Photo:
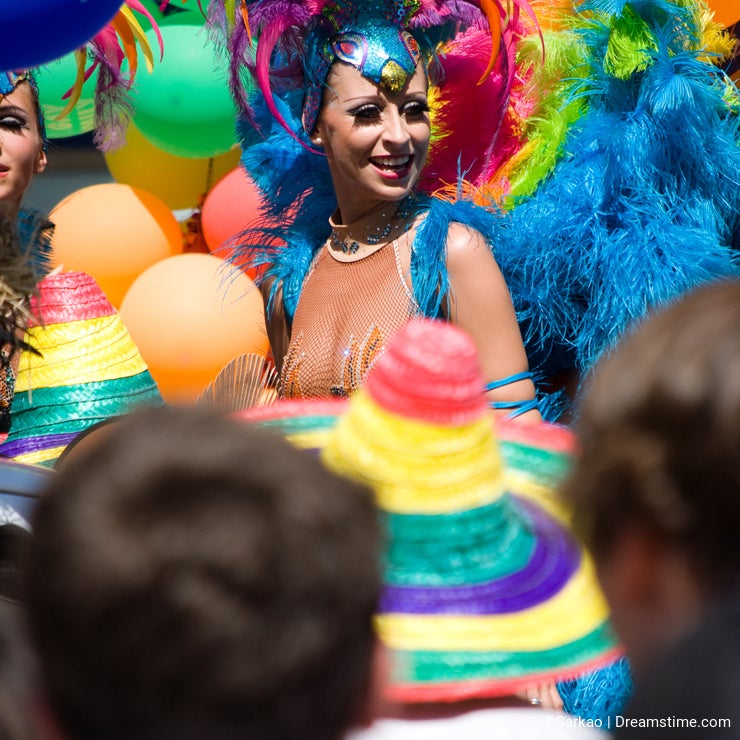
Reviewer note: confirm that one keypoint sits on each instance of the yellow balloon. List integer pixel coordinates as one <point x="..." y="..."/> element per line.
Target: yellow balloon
<point x="189" y="315"/>
<point x="113" y="232"/>
<point x="180" y="182"/>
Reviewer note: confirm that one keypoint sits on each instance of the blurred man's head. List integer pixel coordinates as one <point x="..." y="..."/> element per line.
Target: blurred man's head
<point x="656" y="488"/>
<point x="194" y="577"/>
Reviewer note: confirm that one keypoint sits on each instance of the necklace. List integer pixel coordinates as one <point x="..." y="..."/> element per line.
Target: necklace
<point x="373" y="229"/>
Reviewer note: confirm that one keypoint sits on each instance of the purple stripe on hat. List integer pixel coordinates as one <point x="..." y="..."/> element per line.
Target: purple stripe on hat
<point x="555" y="558"/>
<point x="18" y="447"/>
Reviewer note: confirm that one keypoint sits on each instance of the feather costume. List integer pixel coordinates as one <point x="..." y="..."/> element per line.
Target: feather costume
<point x="603" y="139"/>
<point x="607" y="132"/>
<point x="642" y="202"/>
<point x="279" y="53"/>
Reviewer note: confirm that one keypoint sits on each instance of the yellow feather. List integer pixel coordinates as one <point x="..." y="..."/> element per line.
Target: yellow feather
<point x="74" y="96"/>
<point x="140" y="35"/>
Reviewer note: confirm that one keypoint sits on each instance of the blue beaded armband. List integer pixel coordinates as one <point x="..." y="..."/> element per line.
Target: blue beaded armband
<point x="517" y="407"/>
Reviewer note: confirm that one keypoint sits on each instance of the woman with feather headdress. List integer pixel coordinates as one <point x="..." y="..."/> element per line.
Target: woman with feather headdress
<point x="337" y="138"/>
<point x="603" y="137"/>
<point x="26" y="233"/>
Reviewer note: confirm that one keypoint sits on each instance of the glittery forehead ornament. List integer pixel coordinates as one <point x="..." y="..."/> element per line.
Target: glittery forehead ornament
<point x="10" y="80"/>
<point x="371" y="37"/>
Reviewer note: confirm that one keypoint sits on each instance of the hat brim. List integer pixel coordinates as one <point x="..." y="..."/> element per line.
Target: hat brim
<point x="541" y="618"/>
<point x="46" y="420"/>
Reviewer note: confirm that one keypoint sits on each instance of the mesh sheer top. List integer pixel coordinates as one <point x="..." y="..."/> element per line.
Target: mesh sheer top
<point x="345" y="317"/>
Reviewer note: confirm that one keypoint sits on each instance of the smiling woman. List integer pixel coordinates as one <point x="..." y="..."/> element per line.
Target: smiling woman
<point x="375" y="140"/>
<point x="338" y="289"/>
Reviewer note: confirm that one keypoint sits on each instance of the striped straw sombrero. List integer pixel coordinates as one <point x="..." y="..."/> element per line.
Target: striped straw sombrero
<point x="88" y="370"/>
<point x="486" y="590"/>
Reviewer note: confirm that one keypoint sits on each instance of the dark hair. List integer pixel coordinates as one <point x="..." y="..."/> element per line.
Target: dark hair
<point x="660" y="434"/>
<point x="17" y="674"/>
<point x="194" y="577"/>
<point x="17" y="285"/>
<point x="13" y="539"/>
<point x="40" y="120"/>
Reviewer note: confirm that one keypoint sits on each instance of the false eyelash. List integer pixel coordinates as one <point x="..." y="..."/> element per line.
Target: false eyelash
<point x="13" y="123"/>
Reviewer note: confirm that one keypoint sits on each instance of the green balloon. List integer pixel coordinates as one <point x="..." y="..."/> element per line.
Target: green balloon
<point x="185" y="4"/>
<point x="54" y="80"/>
<point x="178" y="11"/>
<point x="184" y="106"/>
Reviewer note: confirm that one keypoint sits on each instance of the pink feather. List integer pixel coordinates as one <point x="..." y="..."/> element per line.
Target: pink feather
<point x="465" y="128"/>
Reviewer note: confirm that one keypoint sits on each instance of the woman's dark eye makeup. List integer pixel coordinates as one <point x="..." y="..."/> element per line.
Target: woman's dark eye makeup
<point x="12" y="119"/>
<point x="365" y="112"/>
<point x="416" y="108"/>
<point x="370" y="112"/>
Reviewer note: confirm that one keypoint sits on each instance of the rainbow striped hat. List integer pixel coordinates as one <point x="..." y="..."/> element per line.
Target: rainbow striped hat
<point x="486" y="589"/>
<point x="88" y="370"/>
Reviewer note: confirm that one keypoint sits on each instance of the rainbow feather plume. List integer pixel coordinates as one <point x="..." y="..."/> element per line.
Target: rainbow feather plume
<point x="113" y="54"/>
<point x="644" y="202"/>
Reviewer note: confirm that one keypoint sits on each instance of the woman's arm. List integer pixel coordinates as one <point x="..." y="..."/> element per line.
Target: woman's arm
<point x="480" y="303"/>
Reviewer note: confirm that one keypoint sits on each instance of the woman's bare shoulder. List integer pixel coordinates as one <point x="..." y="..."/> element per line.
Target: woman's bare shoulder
<point x="467" y="247"/>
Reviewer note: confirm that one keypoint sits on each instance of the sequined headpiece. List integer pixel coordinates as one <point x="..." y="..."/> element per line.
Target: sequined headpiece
<point x="9" y="81"/>
<point x="284" y="45"/>
<point x="371" y="37"/>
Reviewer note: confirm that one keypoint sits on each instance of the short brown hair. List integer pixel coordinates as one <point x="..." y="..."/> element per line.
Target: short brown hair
<point x="660" y="433"/>
<point x="195" y="577"/>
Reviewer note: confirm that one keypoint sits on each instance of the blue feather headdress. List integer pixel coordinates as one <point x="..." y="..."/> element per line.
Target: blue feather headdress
<point x="281" y="45"/>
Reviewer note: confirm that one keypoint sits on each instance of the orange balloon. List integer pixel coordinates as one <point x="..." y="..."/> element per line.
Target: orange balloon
<point x="726" y="12"/>
<point x="113" y="232"/>
<point x="179" y="181"/>
<point x="190" y="315"/>
<point x="231" y="206"/>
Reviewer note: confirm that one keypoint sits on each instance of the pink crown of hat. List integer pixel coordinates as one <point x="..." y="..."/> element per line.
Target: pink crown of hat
<point x="431" y="375"/>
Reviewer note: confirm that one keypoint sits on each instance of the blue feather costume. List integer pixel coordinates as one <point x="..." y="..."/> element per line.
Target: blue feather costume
<point x="642" y="206"/>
